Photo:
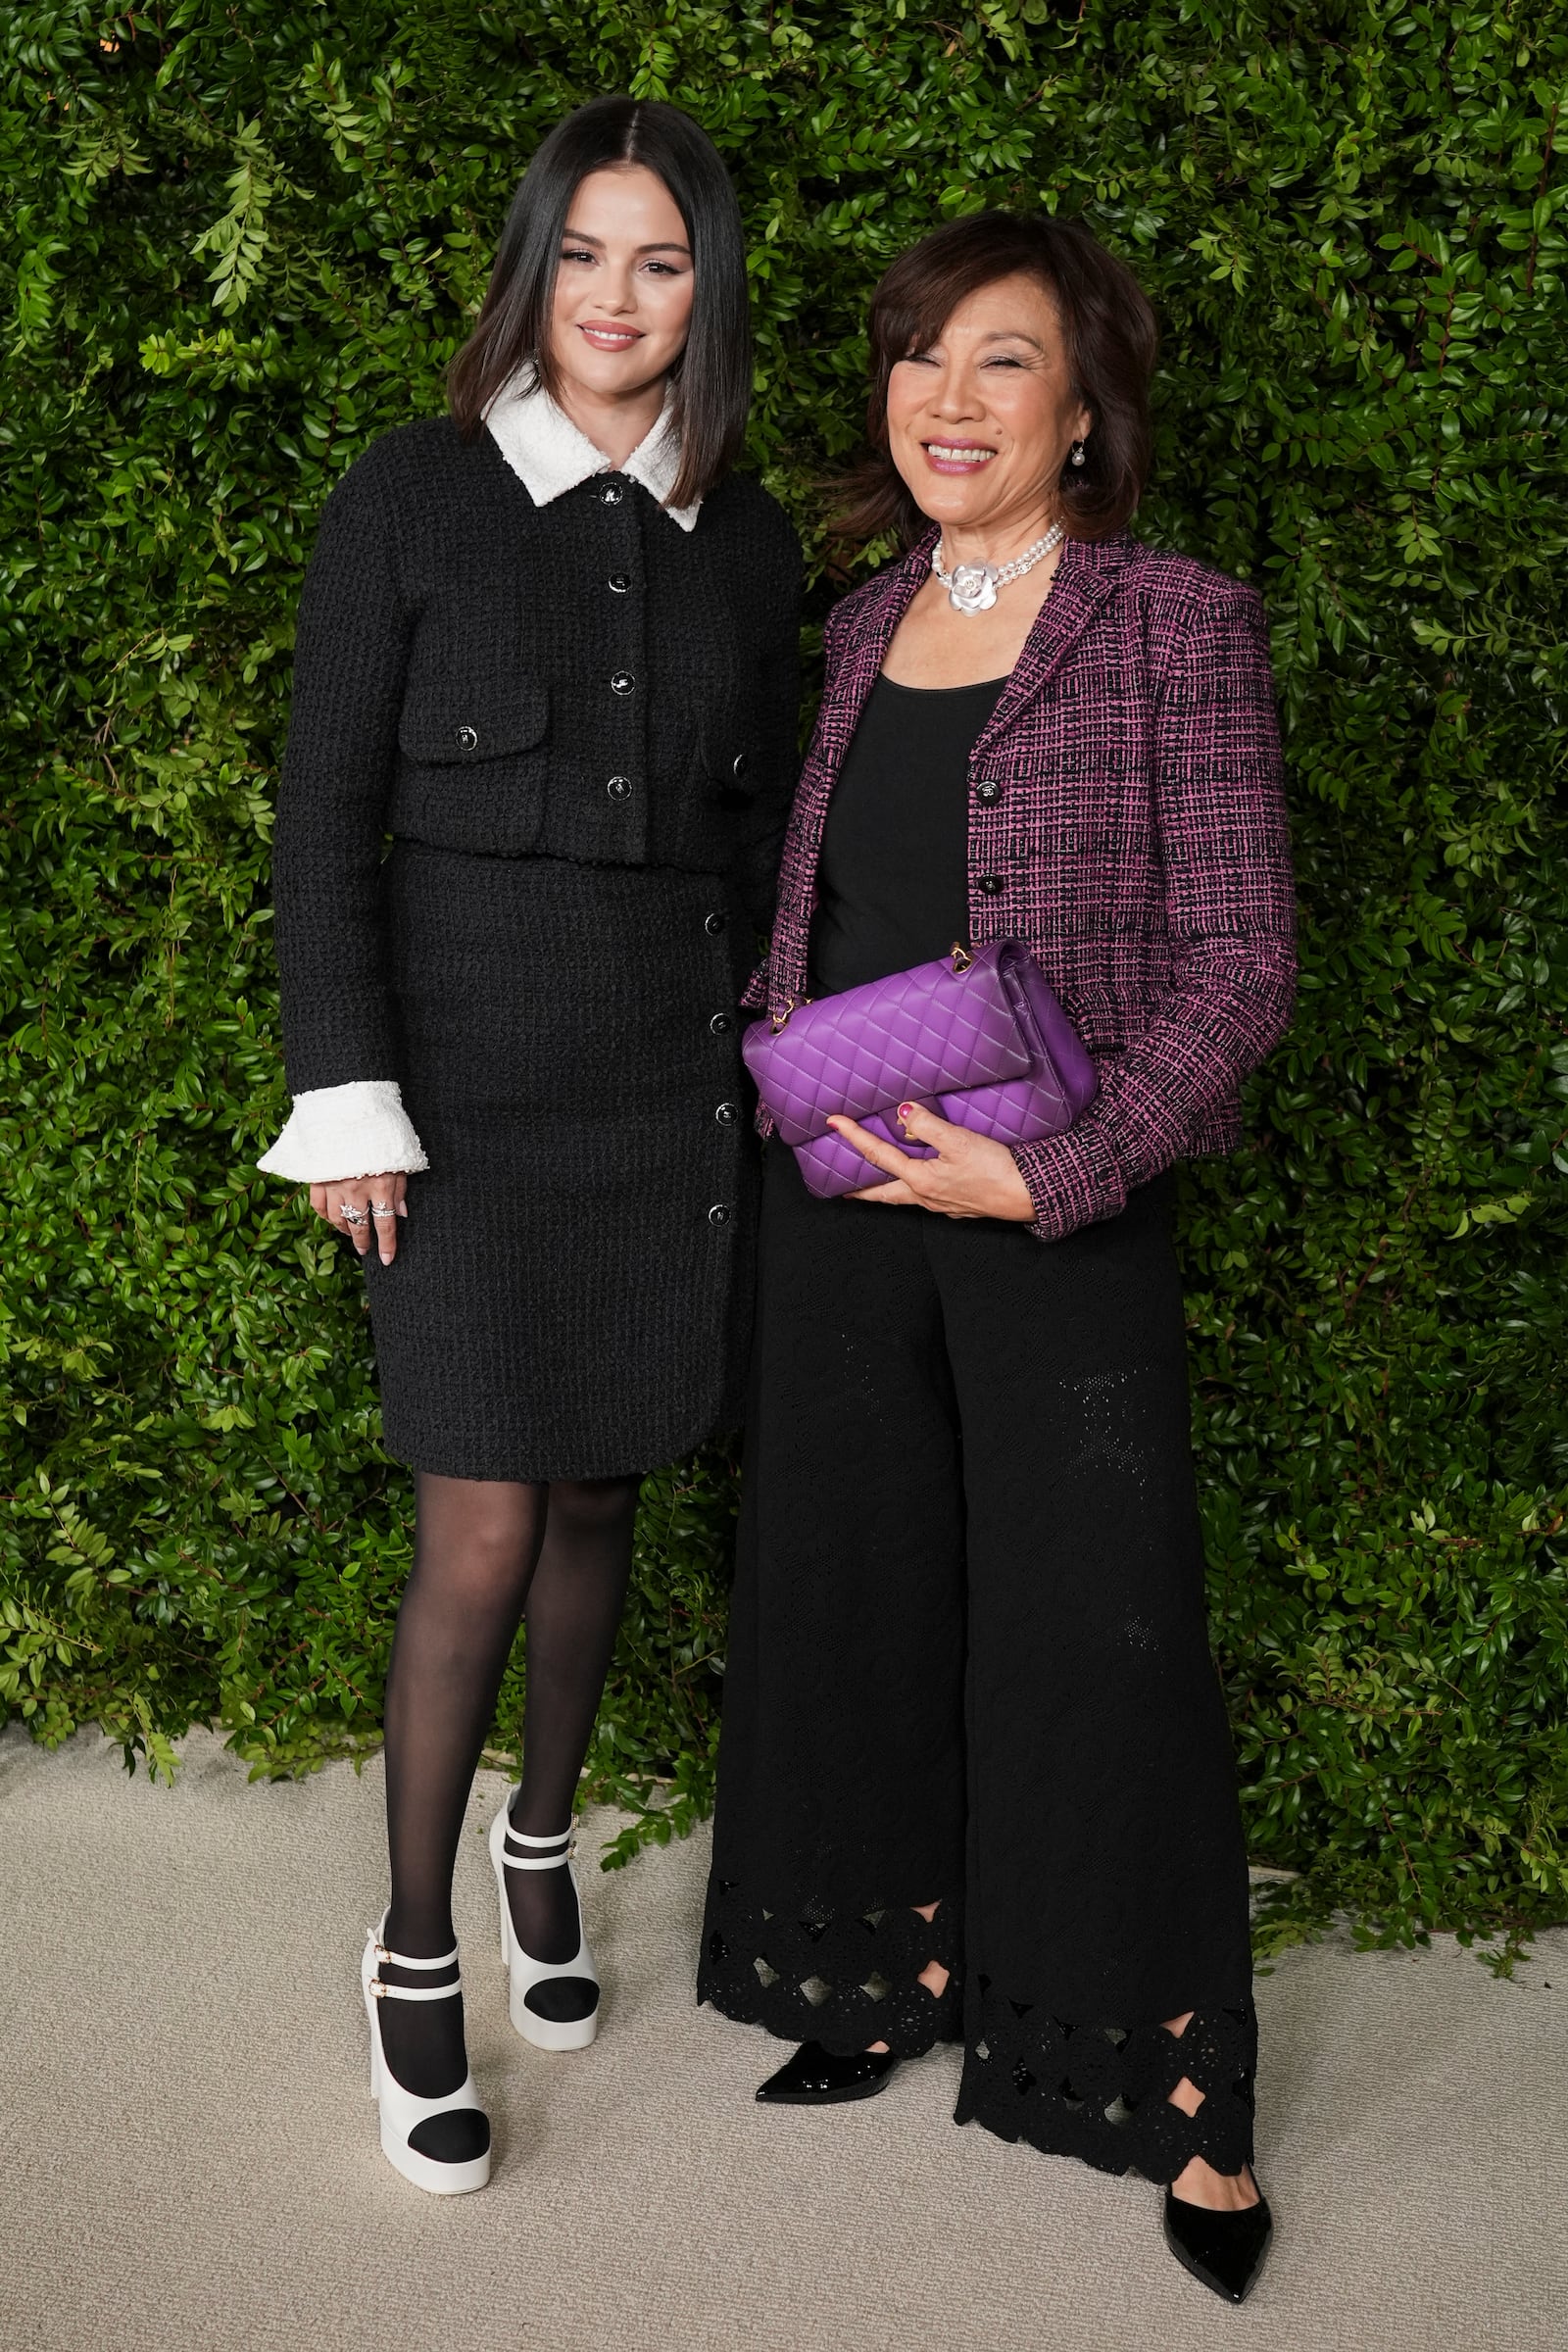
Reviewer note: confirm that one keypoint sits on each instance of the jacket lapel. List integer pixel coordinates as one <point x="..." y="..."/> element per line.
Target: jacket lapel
<point x="862" y="657"/>
<point x="1087" y="577"/>
<point x="852" y="671"/>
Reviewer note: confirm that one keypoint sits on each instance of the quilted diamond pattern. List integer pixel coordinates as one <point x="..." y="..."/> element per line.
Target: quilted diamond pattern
<point x="920" y="1031"/>
<point x="989" y="1048"/>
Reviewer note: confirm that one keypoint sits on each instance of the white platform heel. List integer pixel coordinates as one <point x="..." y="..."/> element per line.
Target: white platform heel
<point x="546" y="2008"/>
<point x="402" y="2113"/>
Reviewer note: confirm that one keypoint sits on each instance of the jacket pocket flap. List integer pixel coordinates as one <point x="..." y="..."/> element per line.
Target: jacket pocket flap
<point x="448" y="722"/>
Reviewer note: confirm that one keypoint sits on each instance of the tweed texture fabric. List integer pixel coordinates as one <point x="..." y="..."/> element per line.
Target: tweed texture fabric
<point x="1127" y="823"/>
<point x="577" y="724"/>
<point x="582" y="680"/>
<point x="969" y="1665"/>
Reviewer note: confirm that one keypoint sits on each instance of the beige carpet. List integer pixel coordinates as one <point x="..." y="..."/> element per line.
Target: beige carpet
<point x="190" y="2156"/>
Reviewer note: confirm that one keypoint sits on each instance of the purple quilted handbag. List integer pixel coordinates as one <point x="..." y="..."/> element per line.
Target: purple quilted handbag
<point x="978" y="1038"/>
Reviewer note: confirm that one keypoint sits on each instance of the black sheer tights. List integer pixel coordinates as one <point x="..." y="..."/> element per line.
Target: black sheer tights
<point x="488" y="1555"/>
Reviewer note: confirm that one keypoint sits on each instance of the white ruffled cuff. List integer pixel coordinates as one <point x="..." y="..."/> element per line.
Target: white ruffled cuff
<point x="337" y="1133"/>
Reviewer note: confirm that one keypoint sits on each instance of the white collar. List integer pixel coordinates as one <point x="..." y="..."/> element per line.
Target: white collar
<point x="550" y="456"/>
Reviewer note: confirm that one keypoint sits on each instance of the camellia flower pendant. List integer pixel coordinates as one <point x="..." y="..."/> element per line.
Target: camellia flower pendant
<point x="972" y="587"/>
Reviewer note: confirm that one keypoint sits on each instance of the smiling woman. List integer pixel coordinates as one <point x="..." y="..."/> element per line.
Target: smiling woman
<point x="548" y="643"/>
<point x="1006" y="406"/>
<point x="624" y="278"/>
<point x="590" y="233"/>
<point x="1050" y="298"/>
<point x="982" y="418"/>
<point x="976" y="1781"/>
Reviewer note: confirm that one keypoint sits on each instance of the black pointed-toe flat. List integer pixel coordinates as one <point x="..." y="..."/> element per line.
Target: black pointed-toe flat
<point x="1225" y="2251"/>
<point x="816" y="2077"/>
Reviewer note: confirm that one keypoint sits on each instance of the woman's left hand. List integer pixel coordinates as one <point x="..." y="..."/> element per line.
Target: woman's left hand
<point x="971" y="1175"/>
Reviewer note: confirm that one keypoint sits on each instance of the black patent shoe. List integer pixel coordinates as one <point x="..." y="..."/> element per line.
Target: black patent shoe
<point x="1223" y="2250"/>
<point x="816" y="2077"/>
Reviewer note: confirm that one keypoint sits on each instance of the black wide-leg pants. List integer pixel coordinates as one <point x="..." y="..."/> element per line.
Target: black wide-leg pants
<point x="968" y="1666"/>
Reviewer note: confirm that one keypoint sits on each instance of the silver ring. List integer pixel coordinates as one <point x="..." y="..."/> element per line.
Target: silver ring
<point x="382" y="1208"/>
<point x="351" y="1216"/>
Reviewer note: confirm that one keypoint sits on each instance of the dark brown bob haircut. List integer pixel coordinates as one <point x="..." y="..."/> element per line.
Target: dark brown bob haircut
<point x="1112" y="340"/>
<point x="713" y="378"/>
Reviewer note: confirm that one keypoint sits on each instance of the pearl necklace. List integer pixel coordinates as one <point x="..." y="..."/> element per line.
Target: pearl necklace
<point x="972" y="587"/>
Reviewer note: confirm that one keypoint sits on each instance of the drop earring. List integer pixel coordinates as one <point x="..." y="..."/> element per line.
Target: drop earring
<point x="1077" y="453"/>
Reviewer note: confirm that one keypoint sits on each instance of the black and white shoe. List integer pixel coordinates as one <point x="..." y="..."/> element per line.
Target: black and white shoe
<point x="555" y="2006"/>
<point x="441" y="2146"/>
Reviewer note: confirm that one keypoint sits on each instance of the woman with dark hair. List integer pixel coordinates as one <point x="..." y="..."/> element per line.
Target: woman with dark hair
<point x="976" y="1782"/>
<point x="548" y="645"/>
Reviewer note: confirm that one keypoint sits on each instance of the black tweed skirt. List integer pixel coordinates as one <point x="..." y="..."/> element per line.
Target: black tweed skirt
<point x="569" y="1290"/>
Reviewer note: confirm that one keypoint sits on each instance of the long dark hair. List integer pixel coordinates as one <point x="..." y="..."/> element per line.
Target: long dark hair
<point x="713" y="378"/>
<point x="1112" y="339"/>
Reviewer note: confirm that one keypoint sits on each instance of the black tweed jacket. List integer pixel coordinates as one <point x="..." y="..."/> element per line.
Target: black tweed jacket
<point x="582" y="680"/>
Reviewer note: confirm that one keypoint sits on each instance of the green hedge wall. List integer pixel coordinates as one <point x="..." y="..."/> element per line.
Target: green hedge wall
<point x="241" y="239"/>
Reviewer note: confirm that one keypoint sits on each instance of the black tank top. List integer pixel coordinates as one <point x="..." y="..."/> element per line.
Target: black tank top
<point x="893" y="872"/>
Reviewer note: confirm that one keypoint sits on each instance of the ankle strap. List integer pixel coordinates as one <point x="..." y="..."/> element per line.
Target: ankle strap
<point x="381" y="1990"/>
<point x="561" y="1839"/>
<point x="402" y="1959"/>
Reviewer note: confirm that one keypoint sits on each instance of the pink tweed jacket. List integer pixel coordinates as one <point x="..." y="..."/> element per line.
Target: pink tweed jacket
<point x="1127" y="820"/>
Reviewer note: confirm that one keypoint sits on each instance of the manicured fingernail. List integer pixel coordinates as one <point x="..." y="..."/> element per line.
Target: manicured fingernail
<point x="905" y="1110"/>
<point x="403" y="1208"/>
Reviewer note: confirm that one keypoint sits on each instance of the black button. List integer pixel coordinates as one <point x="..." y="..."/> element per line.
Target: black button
<point x="620" y="788"/>
<point x="738" y="766"/>
<point x="619" y="583"/>
<point x="727" y="1113"/>
<point x="467" y="738"/>
<point x="991" y="884"/>
<point x="713" y="924"/>
<point x="622" y="682"/>
<point x="612" y="494"/>
<point x="988" y="792"/>
<point x="718" y="1214"/>
<point x="722" y="1024"/>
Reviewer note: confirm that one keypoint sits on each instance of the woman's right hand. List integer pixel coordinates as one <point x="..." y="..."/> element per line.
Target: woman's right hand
<point x="365" y="1205"/>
